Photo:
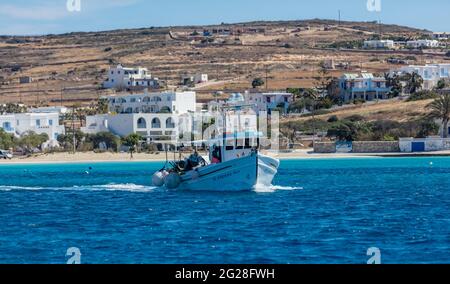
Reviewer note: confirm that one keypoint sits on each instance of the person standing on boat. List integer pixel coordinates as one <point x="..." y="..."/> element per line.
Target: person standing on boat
<point x="216" y="155"/>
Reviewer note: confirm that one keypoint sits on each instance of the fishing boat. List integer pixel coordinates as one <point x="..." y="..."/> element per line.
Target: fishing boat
<point x="233" y="163"/>
<point x="230" y="167"/>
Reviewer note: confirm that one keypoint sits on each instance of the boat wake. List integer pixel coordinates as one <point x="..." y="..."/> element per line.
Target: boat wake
<point x="128" y="187"/>
<point x="273" y="188"/>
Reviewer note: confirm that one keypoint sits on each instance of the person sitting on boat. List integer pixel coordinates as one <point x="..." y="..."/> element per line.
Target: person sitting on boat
<point x="194" y="161"/>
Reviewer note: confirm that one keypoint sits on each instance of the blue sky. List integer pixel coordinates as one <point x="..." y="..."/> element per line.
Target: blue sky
<point x="36" y="17"/>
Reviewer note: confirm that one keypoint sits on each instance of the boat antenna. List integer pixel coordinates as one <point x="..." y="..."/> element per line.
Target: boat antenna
<point x="167" y="158"/>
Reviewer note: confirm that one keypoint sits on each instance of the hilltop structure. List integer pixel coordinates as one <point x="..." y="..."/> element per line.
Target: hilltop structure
<point x="130" y="78"/>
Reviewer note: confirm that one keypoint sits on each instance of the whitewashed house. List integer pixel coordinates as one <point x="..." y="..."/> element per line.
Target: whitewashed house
<point x="20" y="123"/>
<point x="422" y="43"/>
<point x="364" y="86"/>
<point x="165" y="102"/>
<point x="194" y="79"/>
<point x="260" y="101"/>
<point x="269" y="101"/>
<point x="379" y="44"/>
<point x="130" y="78"/>
<point x="52" y="109"/>
<point x="441" y="35"/>
<point x="430" y="73"/>
<point x="154" y="116"/>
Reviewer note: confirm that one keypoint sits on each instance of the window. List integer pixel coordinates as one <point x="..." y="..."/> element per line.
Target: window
<point x="247" y="122"/>
<point x="17" y="123"/>
<point x="50" y="122"/>
<point x="133" y="100"/>
<point x="239" y="144"/>
<point x="156" y="123"/>
<point x="141" y="123"/>
<point x="38" y="123"/>
<point x="229" y="144"/>
<point x="7" y="125"/>
<point x="247" y="144"/>
<point x="170" y="123"/>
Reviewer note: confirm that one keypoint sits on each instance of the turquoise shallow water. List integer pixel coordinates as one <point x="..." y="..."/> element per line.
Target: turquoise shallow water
<point x="318" y="211"/>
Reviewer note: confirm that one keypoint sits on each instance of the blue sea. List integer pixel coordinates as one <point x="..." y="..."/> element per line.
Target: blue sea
<point x="317" y="211"/>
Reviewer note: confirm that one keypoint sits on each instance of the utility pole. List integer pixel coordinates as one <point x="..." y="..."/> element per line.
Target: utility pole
<point x="37" y="93"/>
<point x="339" y="18"/>
<point x="61" y="96"/>
<point x="73" y="130"/>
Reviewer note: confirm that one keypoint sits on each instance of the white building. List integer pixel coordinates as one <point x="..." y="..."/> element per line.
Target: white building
<point x="379" y="44"/>
<point x="128" y="78"/>
<point x="194" y="79"/>
<point x="441" y="35"/>
<point x="431" y="73"/>
<point x="152" y="126"/>
<point x="429" y="144"/>
<point x="166" y="102"/>
<point x="269" y="101"/>
<point x="20" y="123"/>
<point x="152" y="115"/>
<point x="422" y="43"/>
<point x="260" y="101"/>
<point x="53" y="109"/>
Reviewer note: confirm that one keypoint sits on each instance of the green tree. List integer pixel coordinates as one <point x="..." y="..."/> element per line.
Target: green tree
<point x="12" y="108"/>
<point x="102" y="106"/>
<point x="441" y="84"/>
<point x="111" y="141"/>
<point x="257" y="82"/>
<point x="30" y="140"/>
<point x="7" y="141"/>
<point x="132" y="141"/>
<point x="394" y="83"/>
<point x="414" y="82"/>
<point x="440" y="109"/>
<point x="66" y="140"/>
<point x="323" y="80"/>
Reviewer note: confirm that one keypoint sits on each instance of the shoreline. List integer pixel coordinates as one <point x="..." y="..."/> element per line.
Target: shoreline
<point x="91" y="157"/>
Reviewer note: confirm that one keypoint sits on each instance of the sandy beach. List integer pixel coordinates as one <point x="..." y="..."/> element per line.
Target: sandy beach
<point x="91" y="157"/>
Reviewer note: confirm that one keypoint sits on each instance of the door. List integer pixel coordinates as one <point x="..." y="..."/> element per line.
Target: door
<point x="418" y="146"/>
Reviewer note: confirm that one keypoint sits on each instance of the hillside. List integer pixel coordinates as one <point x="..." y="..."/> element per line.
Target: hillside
<point x="70" y="68"/>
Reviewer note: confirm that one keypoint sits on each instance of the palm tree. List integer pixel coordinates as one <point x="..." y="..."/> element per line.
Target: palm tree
<point x="440" y="109"/>
<point x="132" y="141"/>
<point x="414" y="82"/>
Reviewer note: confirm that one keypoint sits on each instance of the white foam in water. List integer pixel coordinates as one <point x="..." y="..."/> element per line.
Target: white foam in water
<point x="12" y="187"/>
<point x="123" y="187"/>
<point x="272" y="188"/>
<point x="129" y="187"/>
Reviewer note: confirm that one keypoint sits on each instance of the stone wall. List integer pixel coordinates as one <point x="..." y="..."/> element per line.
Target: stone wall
<point x="375" y="147"/>
<point x="324" y="147"/>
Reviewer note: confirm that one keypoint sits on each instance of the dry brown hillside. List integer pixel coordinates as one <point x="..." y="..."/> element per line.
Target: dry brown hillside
<point x="71" y="67"/>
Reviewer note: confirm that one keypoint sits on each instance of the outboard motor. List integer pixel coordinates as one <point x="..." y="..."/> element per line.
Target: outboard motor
<point x="172" y="181"/>
<point x="158" y="178"/>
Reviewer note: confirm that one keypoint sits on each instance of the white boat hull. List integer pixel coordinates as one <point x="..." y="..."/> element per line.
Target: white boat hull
<point x="235" y="175"/>
<point x="267" y="169"/>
